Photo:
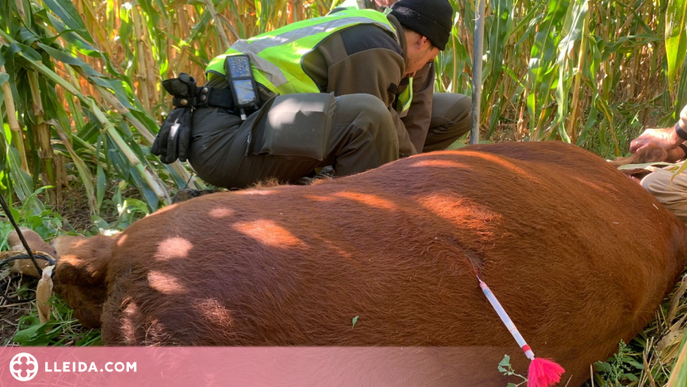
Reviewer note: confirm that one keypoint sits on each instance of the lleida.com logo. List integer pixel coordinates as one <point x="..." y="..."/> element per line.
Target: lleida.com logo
<point x="24" y="367"/>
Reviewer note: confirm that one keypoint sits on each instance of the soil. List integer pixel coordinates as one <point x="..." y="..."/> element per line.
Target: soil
<point x="11" y="312"/>
<point x="10" y="315"/>
<point x="76" y="214"/>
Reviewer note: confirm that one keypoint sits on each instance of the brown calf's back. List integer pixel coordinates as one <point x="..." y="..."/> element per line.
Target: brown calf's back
<point x="579" y="256"/>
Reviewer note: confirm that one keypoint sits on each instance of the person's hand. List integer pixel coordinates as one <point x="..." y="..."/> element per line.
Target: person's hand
<point x="675" y="154"/>
<point x="665" y="138"/>
<point x="174" y="138"/>
<point x="384" y="3"/>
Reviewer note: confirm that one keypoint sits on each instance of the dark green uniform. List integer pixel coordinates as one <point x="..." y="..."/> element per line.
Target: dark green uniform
<point x="352" y="123"/>
<point x="434" y="120"/>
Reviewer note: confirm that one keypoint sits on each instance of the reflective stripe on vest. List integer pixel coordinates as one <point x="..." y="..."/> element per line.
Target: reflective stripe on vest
<point x="277" y="56"/>
<point x="404" y="99"/>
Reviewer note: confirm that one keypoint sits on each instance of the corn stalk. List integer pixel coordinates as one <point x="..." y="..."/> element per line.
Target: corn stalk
<point x="74" y="106"/>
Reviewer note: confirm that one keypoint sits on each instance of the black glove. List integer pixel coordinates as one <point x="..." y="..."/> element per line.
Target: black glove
<point x="174" y="138"/>
<point x="182" y="87"/>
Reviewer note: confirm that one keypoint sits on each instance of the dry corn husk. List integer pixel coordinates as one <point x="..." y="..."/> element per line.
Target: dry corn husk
<point x="43" y="294"/>
<point x="677" y="376"/>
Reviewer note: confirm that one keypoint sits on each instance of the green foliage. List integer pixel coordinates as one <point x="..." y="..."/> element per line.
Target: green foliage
<point x="679" y="375"/>
<point x="46" y="49"/>
<point x="63" y="329"/>
<point x="506" y="369"/>
<point x="81" y="83"/>
<point x="676" y="37"/>
<point x="591" y="73"/>
<point x="34" y="215"/>
<point x="128" y="210"/>
<point x="620" y="368"/>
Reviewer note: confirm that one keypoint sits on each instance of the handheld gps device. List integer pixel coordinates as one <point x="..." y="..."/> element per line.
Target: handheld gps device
<point x="240" y="77"/>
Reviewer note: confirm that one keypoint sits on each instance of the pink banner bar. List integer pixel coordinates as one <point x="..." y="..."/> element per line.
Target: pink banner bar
<point x="254" y="366"/>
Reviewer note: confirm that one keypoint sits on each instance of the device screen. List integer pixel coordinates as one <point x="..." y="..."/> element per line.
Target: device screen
<point x="239" y="66"/>
<point x="244" y="91"/>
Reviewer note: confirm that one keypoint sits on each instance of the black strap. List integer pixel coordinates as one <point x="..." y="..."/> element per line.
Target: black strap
<point x="221" y="98"/>
<point x="183" y="102"/>
<point x="207" y="96"/>
<point x="684" y="149"/>
<point x="680" y="132"/>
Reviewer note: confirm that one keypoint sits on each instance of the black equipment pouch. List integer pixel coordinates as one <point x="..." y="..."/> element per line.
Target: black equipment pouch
<point x="239" y="75"/>
<point x="296" y="125"/>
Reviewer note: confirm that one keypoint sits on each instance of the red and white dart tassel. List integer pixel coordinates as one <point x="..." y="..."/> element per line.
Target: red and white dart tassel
<point x="542" y="372"/>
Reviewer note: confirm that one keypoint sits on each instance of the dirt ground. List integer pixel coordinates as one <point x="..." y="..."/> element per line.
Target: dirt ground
<point x="11" y="312"/>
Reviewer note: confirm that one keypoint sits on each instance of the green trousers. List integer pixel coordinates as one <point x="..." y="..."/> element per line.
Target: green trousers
<point x="668" y="190"/>
<point x="292" y="135"/>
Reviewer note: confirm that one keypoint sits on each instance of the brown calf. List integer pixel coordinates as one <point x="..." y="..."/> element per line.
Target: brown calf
<point x="577" y="254"/>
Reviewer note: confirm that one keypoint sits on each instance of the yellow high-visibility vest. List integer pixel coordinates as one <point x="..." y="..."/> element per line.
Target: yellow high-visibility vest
<point x="277" y="56"/>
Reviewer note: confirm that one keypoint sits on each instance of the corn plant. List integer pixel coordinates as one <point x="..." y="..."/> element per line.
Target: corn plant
<point x="80" y="85"/>
<point x="61" y="110"/>
<point x="81" y="96"/>
<point x="679" y="375"/>
<point x="589" y="72"/>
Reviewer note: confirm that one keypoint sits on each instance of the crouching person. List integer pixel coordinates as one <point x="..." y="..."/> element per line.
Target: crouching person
<point x="328" y="91"/>
<point x="667" y="187"/>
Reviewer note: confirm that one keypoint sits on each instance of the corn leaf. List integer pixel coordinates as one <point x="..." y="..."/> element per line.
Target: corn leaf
<point x="675" y="37"/>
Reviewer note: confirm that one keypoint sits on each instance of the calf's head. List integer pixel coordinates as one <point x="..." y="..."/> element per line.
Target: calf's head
<point x="80" y="275"/>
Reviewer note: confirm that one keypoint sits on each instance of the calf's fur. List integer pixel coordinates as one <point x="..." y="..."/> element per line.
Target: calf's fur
<point x="579" y="256"/>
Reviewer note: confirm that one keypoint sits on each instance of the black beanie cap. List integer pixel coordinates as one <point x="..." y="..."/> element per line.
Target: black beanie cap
<point x="430" y="18"/>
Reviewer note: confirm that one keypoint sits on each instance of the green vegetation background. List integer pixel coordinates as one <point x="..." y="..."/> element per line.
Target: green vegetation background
<point x="81" y="103"/>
